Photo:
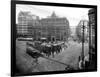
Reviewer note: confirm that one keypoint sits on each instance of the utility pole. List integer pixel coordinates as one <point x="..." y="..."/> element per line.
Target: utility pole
<point x="82" y="54"/>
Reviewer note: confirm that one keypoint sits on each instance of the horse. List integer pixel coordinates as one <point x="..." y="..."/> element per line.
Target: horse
<point x="48" y="48"/>
<point x="59" y="48"/>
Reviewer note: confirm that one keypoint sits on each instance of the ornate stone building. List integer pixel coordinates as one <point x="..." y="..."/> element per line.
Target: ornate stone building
<point x="53" y="28"/>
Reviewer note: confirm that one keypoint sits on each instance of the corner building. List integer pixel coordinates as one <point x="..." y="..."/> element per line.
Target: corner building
<point x="53" y="28"/>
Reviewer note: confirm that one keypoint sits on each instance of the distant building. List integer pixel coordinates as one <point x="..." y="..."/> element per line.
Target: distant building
<point x="73" y="30"/>
<point x="25" y="23"/>
<point x="86" y="24"/>
<point x="72" y="33"/>
<point x="54" y="28"/>
<point x="79" y="29"/>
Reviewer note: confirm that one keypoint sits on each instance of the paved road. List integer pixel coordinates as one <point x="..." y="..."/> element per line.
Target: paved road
<point x="69" y="56"/>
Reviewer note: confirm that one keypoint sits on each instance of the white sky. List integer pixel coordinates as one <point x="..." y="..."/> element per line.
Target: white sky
<point x="74" y="15"/>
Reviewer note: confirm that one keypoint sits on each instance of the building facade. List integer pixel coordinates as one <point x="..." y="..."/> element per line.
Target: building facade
<point x="26" y="21"/>
<point x="53" y="28"/>
<point x="92" y="37"/>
